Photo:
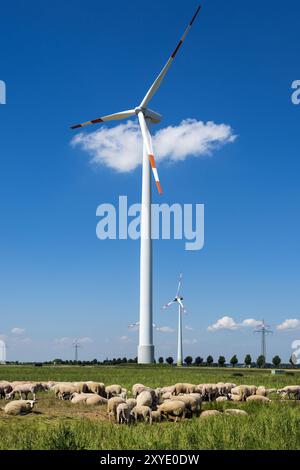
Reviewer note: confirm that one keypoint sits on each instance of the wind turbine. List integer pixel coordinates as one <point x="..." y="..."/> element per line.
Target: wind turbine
<point x="146" y="117"/>
<point x="178" y="300"/>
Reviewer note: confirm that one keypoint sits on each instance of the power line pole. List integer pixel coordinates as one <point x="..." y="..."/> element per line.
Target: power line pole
<point x="76" y="345"/>
<point x="264" y="331"/>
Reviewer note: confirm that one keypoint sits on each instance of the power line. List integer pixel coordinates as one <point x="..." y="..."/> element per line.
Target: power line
<point x="264" y="331"/>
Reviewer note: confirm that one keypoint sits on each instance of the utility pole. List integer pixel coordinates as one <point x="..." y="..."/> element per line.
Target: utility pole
<point x="264" y="331"/>
<point x="76" y="345"/>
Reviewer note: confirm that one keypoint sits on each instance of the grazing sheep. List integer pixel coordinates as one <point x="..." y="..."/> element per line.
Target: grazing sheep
<point x="232" y="411"/>
<point x="290" y="390"/>
<point x="243" y="391"/>
<point x="261" y="391"/>
<point x="259" y="398"/>
<point x="96" y="387"/>
<point x="81" y="387"/>
<point x="192" y="403"/>
<point x="113" y="390"/>
<point x="165" y="396"/>
<point x="171" y="409"/>
<point x="19" y="407"/>
<point x="5" y="388"/>
<point x="131" y="402"/>
<point x="156" y="416"/>
<point x="137" y="389"/>
<point x="123" y="413"/>
<point x="208" y="413"/>
<point x="170" y="389"/>
<point x="208" y="391"/>
<point x="185" y="388"/>
<point x="144" y="399"/>
<point x="143" y="412"/>
<point x="112" y="405"/>
<point x="221" y="399"/>
<point x="25" y="389"/>
<point x="64" y="390"/>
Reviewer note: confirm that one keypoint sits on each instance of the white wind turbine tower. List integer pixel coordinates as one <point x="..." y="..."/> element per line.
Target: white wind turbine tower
<point x="178" y="300"/>
<point x="146" y="117"/>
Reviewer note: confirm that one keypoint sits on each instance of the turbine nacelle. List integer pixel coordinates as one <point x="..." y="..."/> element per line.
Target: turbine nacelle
<point x="154" y="117"/>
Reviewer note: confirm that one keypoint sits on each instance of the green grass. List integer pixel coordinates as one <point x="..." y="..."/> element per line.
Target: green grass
<point x="61" y="425"/>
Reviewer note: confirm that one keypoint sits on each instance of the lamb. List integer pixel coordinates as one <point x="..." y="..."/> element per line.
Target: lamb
<point x="173" y="409"/>
<point x="208" y="413"/>
<point x="233" y="411"/>
<point x="290" y="390"/>
<point x="258" y="398"/>
<point x="155" y="416"/>
<point x="113" y="390"/>
<point x="123" y="413"/>
<point x="112" y="405"/>
<point x="25" y="389"/>
<point x="19" y="407"/>
<point x="5" y="388"/>
<point x="144" y="399"/>
<point x="143" y="412"/>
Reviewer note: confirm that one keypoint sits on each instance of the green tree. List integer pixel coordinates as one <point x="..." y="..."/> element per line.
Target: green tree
<point x="248" y="360"/>
<point x="221" y="361"/>
<point x="161" y="360"/>
<point x="188" y="360"/>
<point x="209" y="360"/>
<point x="261" y="361"/>
<point x="234" y="360"/>
<point x="170" y="360"/>
<point x="276" y="361"/>
<point x="198" y="360"/>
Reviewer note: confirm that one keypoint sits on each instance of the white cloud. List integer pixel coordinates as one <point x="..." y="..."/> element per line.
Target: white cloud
<point x="85" y="340"/>
<point x="190" y="341"/>
<point x="18" y="331"/>
<point x="124" y="338"/>
<point x="224" y="323"/>
<point x="68" y="342"/>
<point x="164" y="329"/>
<point x="120" y="147"/>
<point x="189" y="328"/>
<point x="251" y="322"/>
<point x="289" y="324"/>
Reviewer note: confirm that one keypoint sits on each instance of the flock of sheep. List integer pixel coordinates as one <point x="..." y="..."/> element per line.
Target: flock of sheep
<point x="181" y="400"/>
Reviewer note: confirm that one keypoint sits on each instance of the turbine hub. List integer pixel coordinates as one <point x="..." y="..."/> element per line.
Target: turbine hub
<point x="138" y="109"/>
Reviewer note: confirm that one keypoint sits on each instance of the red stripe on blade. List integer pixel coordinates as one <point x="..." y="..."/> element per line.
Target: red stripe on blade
<point x="95" y="121"/>
<point x="158" y="187"/>
<point x="152" y="161"/>
<point x="76" y="126"/>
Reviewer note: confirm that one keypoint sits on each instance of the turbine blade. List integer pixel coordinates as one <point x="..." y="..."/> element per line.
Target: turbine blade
<point x="179" y="284"/>
<point x="148" y="143"/>
<point x="180" y="303"/>
<point x="168" y="304"/>
<point x="156" y="84"/>
<point x="109" y="117"/>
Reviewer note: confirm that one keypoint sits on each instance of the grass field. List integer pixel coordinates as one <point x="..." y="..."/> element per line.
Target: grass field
<point x="61" y="425"/>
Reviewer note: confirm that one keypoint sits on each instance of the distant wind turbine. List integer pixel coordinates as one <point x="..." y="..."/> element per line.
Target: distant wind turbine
<point x="178" y="300"/>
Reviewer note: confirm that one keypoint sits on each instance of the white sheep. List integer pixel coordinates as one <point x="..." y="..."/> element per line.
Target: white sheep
<point x="113" y="390"/>
<point x="19" y="407"/>
<point x="155" y="416"/>
<point x="25" y="389"/>
<point x="290" y="390"/>
<point x="5" y="388"/>
<point x="209" y="413"/>
<point x="131" y="402"/>
<point x="221" y="399"/>
<point x="143" y="412"/>
<point x="123" y="413"/>
<point x="112" y="405"/>
<point x="173" y="409"/>
<point x="233" y="411"/>
<point x="258" y="398"/>
<point x="144" y="399"/>
<point x="96" y="387"/>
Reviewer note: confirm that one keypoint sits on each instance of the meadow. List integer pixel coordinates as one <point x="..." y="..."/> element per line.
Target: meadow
<point x="59" y="424"/>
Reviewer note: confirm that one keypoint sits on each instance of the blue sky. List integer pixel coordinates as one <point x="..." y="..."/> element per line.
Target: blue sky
<point x="73" y="61"/>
